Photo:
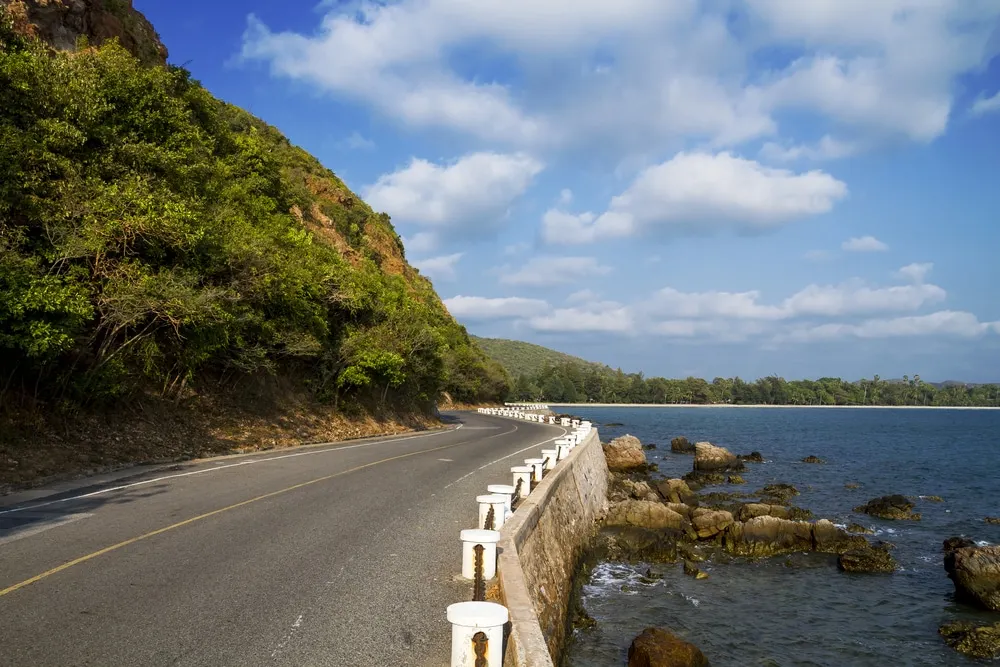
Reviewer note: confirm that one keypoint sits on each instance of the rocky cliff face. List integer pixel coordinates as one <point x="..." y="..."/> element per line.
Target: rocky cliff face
<point x="61" y="23"/>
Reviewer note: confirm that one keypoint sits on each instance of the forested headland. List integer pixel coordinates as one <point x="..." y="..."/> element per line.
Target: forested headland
<point x="560" y="378"/>
<point x="160" y="248"/>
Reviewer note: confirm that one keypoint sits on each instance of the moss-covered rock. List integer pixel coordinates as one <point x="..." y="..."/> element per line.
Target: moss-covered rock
<point x="975" y="641"/>
<point x="894" y="507"/>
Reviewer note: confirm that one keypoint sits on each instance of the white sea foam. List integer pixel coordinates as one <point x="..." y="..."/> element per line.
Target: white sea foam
<point x="693" y="600"/>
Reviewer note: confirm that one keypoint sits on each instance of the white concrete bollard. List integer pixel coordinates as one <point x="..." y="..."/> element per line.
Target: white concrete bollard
<point x="505" y="490"/>
<point x="523" y="473"/>
<point x="536" y="464"/>
<point x="470" y="538"/>
<point x="550" y="456"/>
<point x="467" y="620"/>
<point x="562" y="451"/>
<point x="499" y="505"/>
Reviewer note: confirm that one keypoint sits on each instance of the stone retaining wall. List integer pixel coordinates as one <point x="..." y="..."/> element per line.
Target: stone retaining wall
<point x="540" y="548"/>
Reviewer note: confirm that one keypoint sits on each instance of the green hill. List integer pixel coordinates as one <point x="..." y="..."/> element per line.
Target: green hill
<point x="158" y="245"/>
<point x="520" y="358"/>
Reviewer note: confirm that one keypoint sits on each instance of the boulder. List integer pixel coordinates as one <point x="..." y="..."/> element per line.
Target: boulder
<point x="644" y="514"/>
<point x="709" y="523"/>
<point x="799" y="513"/>
<point x="780" y="493"/>
<point x="858" y="528"/>
<point x="640" y="490"/>
<point x="634" y="544"/>
<point x="656" y="647"/>
<point x="753" y="510"/>
<point x="813" y="459"/>
<point x="829" y="539"/>
<point x="709" y="458"/>
<point x="894" y="507"/>
<point x="625" y="453"/>
<point x="932" y="499"/>
<point x="975" y="641"/>
<point x="752" y="457"/>
<point x="681" y="445"/>
<point x="704" y="478"/>
<point x="765" y="536"/>
<point x="993" y="519"/>
<point x="675" y="490"/>
<point x="872" y="558"/>
<point x="735" y="479"/>
<point x="682" y="509"/>
<point x="976" y="573"/>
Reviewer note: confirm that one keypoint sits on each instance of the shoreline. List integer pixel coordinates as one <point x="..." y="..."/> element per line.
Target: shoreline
<point x="764" y="405"/>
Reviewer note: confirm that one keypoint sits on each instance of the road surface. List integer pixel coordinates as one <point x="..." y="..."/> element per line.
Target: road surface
<point x="342" y="555"/>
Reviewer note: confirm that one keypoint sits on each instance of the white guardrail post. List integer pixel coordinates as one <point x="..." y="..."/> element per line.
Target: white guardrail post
<point x="477" y="627"/>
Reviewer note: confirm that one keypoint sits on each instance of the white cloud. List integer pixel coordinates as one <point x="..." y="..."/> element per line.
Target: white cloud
<point x="826" y="148"/>
<point x="700" y="192"/>
<point x="640" y="73"/>
<point x="673" y="303"/>
<point x="516" y="248"/>
<point x="816" y="312"/>
<point x="546" y="270"/>
<point x="853" y="299"/>
<point x="985" y="105"/>
<point x="439" y="268"/>
<point x="357" y="142"/>
<point x="887" y="67"/>
<point x="583" y="296"/>
<point x="915" y="272"/>
<point x="953" y="323"/>
<point x="817" y="255"/>
<point x="863" y="244"/>
<point x="615" y="320"/>
<point x="484" y="308"/>
<point x="471" y="194"/>
<point x="420" y="242"/>
<point x="565" y="196"/>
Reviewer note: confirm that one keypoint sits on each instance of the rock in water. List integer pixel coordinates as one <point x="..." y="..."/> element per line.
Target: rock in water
<point x="709" y="523"/>
<point x="976" y="573"/>
<point x="752" y="457"/>
<point x="625" y="453"/>
<point x="975" y="641"/>
<point x="709" y="458"/>
<point x="675" y="491"/>
<point x="634" y="544"/>
<point x="895" y="507"/>
<point x="735" y="479"/>
<point x="644" y="514"/>
<point x="752" y="510"/>
<point x="829" y="539"/>
<point x="858" y="528"/>
<point x="765" y="536"/>
<point x="993" y="519"/>
<point x="681" y="445"/>
<point x="657" y="647"/>
<point x="813" y="459"/>
<point x="780" y="493"/>
<point x="867" y="559"/>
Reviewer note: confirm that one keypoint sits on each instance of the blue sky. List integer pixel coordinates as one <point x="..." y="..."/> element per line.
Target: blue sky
<point x="683" y="188"/>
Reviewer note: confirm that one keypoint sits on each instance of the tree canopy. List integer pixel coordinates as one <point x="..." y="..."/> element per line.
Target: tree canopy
<point x="152" y="236"/>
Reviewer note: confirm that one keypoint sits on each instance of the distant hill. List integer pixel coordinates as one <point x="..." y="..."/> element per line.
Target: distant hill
<point x="519" y="357"/>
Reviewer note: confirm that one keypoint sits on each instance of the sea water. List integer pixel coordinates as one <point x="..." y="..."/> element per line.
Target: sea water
<point x="800" y="610"/>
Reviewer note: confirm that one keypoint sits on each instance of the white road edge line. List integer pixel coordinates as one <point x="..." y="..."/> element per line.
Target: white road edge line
<point x="24" y="508"/>
<point x="520" y="451"/>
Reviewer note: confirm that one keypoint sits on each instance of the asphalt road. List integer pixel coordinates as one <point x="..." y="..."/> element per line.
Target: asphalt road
<point x="342" y="555"/>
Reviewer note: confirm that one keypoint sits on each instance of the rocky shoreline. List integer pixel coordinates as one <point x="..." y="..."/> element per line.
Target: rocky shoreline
<point x="657" y="520"/>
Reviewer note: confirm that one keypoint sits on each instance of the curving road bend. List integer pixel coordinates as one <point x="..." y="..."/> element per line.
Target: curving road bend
<point x="339" y="555"/>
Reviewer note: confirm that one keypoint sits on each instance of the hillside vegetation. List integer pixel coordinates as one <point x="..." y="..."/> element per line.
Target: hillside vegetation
<point x="521" y="358"/>
<point x="157" y="242"/>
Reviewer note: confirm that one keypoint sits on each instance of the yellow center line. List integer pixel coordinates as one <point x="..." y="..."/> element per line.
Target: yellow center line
<point x="158" y="531"/>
